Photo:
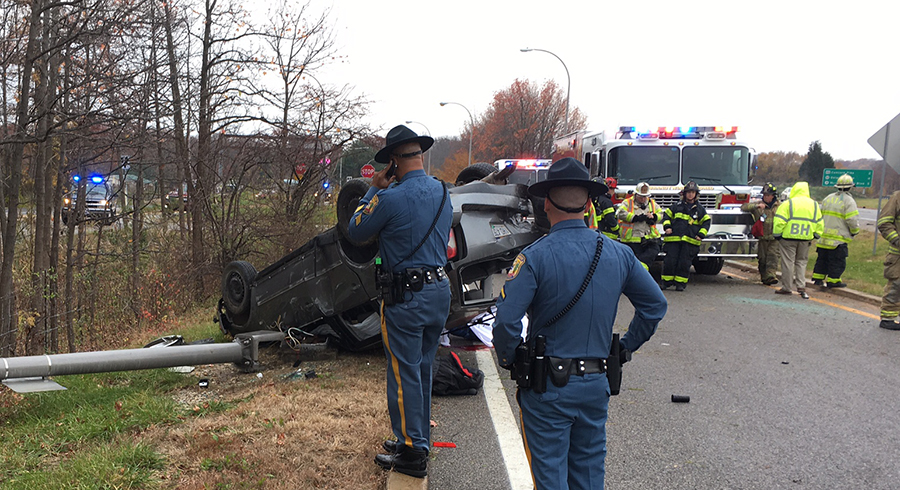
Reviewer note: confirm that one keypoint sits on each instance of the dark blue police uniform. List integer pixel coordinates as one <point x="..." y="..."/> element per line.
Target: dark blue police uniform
<point x="401" y="216"/>
<point x="564" y="429"/>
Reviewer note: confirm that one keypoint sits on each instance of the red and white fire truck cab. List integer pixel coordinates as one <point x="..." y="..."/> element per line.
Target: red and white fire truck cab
<point x="669" y="157"/>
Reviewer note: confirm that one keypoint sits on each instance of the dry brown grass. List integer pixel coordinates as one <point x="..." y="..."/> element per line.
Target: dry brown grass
<point x="280" y="433"/>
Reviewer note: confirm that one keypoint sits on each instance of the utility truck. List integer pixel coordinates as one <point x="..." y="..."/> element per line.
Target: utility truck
<point x="669" y="157"/>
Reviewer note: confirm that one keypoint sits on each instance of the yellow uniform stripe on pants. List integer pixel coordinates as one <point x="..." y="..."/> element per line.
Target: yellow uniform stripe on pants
<point x="525" y="441"/>
<point x="395" y="367"/>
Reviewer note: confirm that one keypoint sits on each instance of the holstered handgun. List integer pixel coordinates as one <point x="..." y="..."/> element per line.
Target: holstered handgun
<point x="521" y="371"/>
<point x="387" y="285"/>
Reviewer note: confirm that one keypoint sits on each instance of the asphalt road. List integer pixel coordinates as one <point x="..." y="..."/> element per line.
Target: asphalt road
<point x="784" y="393"/>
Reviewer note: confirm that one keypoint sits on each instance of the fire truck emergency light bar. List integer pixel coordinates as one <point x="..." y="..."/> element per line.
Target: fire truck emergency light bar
<point x="681" y="132"/>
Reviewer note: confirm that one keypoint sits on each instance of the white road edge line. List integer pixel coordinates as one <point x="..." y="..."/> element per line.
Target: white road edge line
<point x="505" y="425"/>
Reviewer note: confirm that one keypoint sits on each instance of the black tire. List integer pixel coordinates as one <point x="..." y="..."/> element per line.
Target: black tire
<point x="476" y="171"/>
<point x="347" y="202"/>
<point x="541" y="221"/>
<point x="237" y="281"/>
<point x="709" y="267"/>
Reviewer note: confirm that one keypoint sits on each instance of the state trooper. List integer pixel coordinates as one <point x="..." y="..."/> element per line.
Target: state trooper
<point x="564" y="421"/>
<point x="841" y="218"/>
<point x="411" y="214"/>
<point x="888" y="225"/>
<point x="638" y="216"/>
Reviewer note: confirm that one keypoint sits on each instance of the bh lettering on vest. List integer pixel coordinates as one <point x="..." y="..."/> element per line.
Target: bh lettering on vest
<point x="798" y="229"/>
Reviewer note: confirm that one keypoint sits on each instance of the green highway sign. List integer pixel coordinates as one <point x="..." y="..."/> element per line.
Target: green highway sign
<point x="861" y="178"/>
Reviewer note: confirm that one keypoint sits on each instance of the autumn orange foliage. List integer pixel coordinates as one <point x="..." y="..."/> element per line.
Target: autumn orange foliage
<point x="522" y="122"/>
<point x="452" y="166"/>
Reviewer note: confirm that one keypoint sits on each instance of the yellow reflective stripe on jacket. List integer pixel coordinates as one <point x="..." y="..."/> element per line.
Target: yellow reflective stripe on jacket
<point x="626" y="226"/>
<point x="800" y="222"/>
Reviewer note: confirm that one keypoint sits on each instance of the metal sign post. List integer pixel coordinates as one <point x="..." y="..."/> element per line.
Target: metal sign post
<point x="882" y="143"/>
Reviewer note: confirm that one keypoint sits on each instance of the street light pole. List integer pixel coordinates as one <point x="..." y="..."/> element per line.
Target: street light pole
<point x="429" y="134"/>
<point x="568" y="78"/>
<point x="471" y="128"/>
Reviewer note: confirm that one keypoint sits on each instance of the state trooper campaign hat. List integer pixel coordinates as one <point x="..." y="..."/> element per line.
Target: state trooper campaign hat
<point x="567" y="172"/>
<point x="400" y="135"/>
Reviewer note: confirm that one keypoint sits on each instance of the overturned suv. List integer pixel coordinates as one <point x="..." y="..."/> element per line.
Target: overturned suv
<point x="327" y="286"/>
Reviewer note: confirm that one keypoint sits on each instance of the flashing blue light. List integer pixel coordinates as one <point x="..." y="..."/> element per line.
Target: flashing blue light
<point x="685" y="130"/>
<point x="97" y="179"/>
<point x="325" y="185"/>
<point x="76" y="178"/>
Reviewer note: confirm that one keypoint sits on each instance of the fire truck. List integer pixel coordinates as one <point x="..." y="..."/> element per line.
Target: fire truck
<point x="669" y="157"/>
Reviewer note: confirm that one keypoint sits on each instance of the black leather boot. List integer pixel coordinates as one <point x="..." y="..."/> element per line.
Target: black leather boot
<point x="407" y="460"/>
<point x="391" y="446"/>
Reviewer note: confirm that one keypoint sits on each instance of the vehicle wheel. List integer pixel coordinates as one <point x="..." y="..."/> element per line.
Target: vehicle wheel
<point x="541" y="221"/>
<point x="347" y="202"/>
<point x="236" y="283"/>
<point x="708" y="267"/>
<point x="476" y="171"/>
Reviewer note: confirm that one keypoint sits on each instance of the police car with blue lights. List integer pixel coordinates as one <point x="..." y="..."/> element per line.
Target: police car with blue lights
<point x="99" y="200"/>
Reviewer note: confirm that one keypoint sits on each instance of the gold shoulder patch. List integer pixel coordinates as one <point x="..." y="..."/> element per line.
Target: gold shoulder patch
<point x="371" y="206"/>
<point x="516" y="267"/>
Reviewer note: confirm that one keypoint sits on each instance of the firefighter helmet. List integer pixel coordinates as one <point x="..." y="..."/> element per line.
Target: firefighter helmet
<point x="690" y="186"/>
<point x="844" y="182"/>
<point x="611" y="182"/>
<point x="770" y="189"/>
<point x="642" y="189"/>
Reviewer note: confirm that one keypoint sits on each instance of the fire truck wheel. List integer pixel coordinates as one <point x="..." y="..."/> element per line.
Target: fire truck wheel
<point x="708" y="267"/>
<point x="236" y="284"/>
<point x="347" y="202"/>
<point x="476" y="171"/>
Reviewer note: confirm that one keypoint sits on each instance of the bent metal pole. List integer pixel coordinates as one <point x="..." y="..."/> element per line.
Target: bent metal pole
<point x="119" y="360"/>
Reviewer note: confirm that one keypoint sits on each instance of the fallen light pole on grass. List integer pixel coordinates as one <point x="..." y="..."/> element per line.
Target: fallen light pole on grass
<point x="31" y="373"/>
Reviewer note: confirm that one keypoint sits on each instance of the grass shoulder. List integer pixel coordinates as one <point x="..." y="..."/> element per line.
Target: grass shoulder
<point x="159" y="429"/>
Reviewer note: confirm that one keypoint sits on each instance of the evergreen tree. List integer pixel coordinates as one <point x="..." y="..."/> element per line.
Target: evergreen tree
<point x="814" y="164"/>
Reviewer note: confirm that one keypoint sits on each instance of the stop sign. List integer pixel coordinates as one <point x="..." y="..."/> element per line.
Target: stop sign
<point x="367" y="170"/>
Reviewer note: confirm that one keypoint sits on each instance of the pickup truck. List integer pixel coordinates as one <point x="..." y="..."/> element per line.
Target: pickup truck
<point x="327" y="286"/>
<point x="99" y="204"/>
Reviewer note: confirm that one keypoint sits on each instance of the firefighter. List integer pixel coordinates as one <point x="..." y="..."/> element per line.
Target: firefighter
<point x="888" y="222"/>
<point x="685" y="224"/>
<point x="841" y="224"/>
<point x="767" y="250"/>
<point x="637" y="224"/>
<point x="798" y="222"/>
<point x="606" y="220"/>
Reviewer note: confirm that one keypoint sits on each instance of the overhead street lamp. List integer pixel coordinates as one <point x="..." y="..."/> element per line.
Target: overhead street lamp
<point x="471" y="128"/>
<point x="568" y="84"/>
<point x="429" y="134"/>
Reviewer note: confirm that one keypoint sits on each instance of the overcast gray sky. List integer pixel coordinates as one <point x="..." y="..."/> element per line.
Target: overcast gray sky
<point x="786" y="72"/>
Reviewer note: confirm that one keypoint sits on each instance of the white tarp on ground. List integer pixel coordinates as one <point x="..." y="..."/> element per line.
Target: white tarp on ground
<point x="482" y="326"/>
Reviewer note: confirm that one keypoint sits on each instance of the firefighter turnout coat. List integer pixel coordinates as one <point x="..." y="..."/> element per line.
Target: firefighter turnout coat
<point x="631" y="232"/>
<point x="687" y="222"/>
<point x="841" y="218"/>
